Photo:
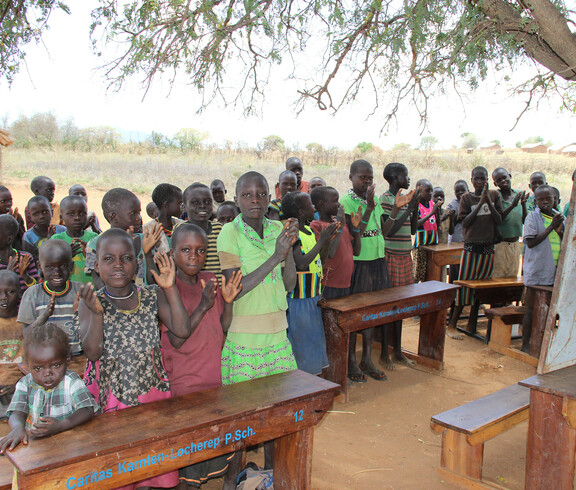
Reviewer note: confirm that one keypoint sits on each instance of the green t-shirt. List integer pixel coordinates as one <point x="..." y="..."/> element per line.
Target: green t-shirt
<point x="401" y="242"/>
<point x="512" y="226"/>
<point x="372" y="240"/>
<point x="553" y="237"/>
<point x="79" y="259"/>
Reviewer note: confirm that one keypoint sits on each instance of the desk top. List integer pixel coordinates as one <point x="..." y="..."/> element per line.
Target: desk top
<point x="444" y="247"/>
<point x="499" y="282"/>
<point x="392" y="295"/>
<point x="559" y="383"/>
<point x="139" y="426"/>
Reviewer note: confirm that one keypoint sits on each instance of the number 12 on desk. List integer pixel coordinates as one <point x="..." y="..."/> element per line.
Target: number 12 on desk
<point x="299" y="416"/>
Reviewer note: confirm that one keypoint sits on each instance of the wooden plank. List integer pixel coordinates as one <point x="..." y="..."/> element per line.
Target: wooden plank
<point x="464" y="482"/>
<point x="542" y="298"/>
<point x="500" y="282"/>
<point x="296" y="448"/>
<point x="459" y="456"/>
<point x="560" y="383"/>
<point x="444" y="253"/>
<point x="509" y="315"/>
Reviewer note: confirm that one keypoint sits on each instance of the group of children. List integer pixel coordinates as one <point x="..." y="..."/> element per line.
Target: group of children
<point x="213" y="292"/>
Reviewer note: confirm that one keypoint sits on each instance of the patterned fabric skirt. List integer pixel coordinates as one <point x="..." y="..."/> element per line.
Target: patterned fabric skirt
<point x="420" y="264"/>
<point x="400" y="268"/>
<point x="473" y="266"/>
<point x="241" y="363"/>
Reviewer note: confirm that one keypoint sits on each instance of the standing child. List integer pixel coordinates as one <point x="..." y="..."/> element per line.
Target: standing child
<point x="152" y="210"/>
<point x="316" y="182"/>
<point x="427" y="232"/>
<point x="43" y="186"/>
<point x="194" y="364"/>
<point x="294" y="164"/>
<point x="120" y="334"/>
<point x="92" y="222"/>
<point x="480" y="213"/>
<point x="287" y="182"/>
<point x="543" y="233"/>
<point x="460" y="188"/>
<point x="168" y="200"/>
<point x="227" y="211"/>
<point x="6" y="208"/>
<point x="75" y="216"/>
<point x="218" y="190"/>
<point x="536" y="180"/>
<point x="51" y="398"/>
<point x="42" y="228"/>
<point x="305" y="326"/>
<point x="446" y="218"/>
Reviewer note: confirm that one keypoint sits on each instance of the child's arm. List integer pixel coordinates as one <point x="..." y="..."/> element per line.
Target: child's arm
<point x="230" y="289"/>
<point x="48" y="426"/>
<point x="399" y="201"/>
<point x="289" y="275"/>
<point x="171" y="311"/>
<point x="533" y="241"/>
<point x="432" y="212"/>
<point x="523" y="201"/>
<point x="301" y="260"/>
<point x="151" y="238"/>
<point x="513" y="204"/>
<point x="335" y="242"/>
<point x="18" y="434"/>
<point x="451" y="214"/>
<point x="20" y="265"/>
<point x="406" y="199"/>
<point x="91" y="318"/>
<point x="43" y="318"/>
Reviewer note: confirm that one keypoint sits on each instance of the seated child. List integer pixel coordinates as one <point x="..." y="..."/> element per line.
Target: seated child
<point x="294" y="164"/>
<point x="446" y="221"/>
<point x="305" y="327"/>
<point x="287" y="182"/>
<point x="218" y="190"/>
<point x="316" y="182"/>
<point x="51" y="398"/>
<point x="56" y="265"/>
<point x="194" y="364"/>
<point x="168" y="200"/>
<point x="226" y="213"/>
<point x="43" y="186"/>
<point x="75" y="216"/>
<point x="22" y="263"/>
<point x="6" y="208"/>
<point x="427" y="231"/>
<point x="92" y="223"/>
<point x="460" y="188"/>
<point x="42" y="229"/>
<point x="152" y="210"/>
<point x="480" y="213"/>
<point x="543" y="233"/>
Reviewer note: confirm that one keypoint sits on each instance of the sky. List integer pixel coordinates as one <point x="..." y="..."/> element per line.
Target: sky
<point x="61" y="75"/>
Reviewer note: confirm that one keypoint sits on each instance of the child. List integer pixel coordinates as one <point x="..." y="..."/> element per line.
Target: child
<point x="370" y="267"/>
<point x="480" y="213"/>
<point x="6" y="208"/>
<point x="257" y="344"/>
<point x="75" y="215"/>
<point x="152" y="210"/>
<point x="316" y="182"/>
<point x="198" y="204"/>
<point x="427" y="232"/>
<point x="287" y="182"/>
<point x="536" y="180"/>
<point x="22" y="263"/>
<point x="56" y="265"/>
<point x="339" y="264"/>
<point x="508" y="250"/>
<point x="194" y="364"/>
<point x="43" y="186"/>
<point x="305" y="327"/>
<point x="543" y="233"/>
<point x="51" y="398"/>
<point x="92" y="223"/>
<point x="168" y="200"/>
<point x="218" y="190"/>
<point x="227" y="211"/>
<point x="294" y="164"/>
<point x="446" y="221"/>
<point x="120" y="334"/>
<point x="41" y="216"/>
<point x="460" y="188"/>
<point x="398" y="250"/>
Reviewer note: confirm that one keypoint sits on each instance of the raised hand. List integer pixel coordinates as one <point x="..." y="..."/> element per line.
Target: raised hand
<point x="231" y="288"/>
<point x="287" y="238"/>
<point x="167" y="276"/>
<point x="88" y="296"/>
<point x="341" y="215"/>
<point x="90" y="221"/>
<point x="209" y="290"/>
<point x="151" y="237"/>
<point x="558" y="221"/>
<point x="524" y="198"/>
<point x="51" y="231"/>
<point x="23" y="263"/>
<point x="356" y="218"/>
<point x="370" y="196"/>
<point x="402" y="200"/>
<point x="438" y="204"/>
<point x="13" y="263"/>
<point x="78" y="245"/>
<point x="15" y="213"/>
<point x="330" y="232"/>
<point x="484" y="196"/>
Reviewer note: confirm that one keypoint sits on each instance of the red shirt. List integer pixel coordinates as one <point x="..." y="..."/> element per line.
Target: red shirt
<point x="337" y="270"/>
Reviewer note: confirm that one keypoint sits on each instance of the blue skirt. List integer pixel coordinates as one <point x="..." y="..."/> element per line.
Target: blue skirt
<point x="306" y="334"/>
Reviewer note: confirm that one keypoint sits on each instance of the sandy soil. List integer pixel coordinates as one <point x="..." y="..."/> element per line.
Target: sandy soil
<point x="382" y="437"/>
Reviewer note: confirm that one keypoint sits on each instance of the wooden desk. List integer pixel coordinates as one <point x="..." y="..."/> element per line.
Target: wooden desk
<point x="440" y="256"/>
<point x="551" y="445"/>
<point x="542" y="298"/>
<point x="118" y="448"/>
<point x="356" y="312"/>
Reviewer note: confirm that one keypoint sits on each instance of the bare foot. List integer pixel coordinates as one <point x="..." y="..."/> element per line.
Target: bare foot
<point x="402" y="359"/>
<point x="453" y="334"/>
<point x="387" y="363"/>
<point x="372" y="371"/>
<point x="356" y="375"/>
<point x="526" y="349"/>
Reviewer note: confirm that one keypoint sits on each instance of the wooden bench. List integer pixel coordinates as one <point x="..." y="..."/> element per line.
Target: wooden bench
<point x="130" y="445"/>
<point x="6" y="469"/>
<point x="441" y="255"/>
<point x="465" y="429"/>
<point x="356" y="312"/>
<point x="490" y="291"/>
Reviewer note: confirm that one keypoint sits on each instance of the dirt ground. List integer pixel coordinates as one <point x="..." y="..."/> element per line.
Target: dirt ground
<point x="381" y="438"/>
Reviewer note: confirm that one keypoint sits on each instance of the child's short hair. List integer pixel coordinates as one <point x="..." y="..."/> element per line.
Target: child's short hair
<point x="164" y="192"/>
<point x="319" y="194"/>
<point x="10" y="276"/>
<point x="187" y="228"/>
<point x="55" y="244"/>
<point x="285" y="173"/>
<point x="479" y="169"/>
<point x="38" y="200"/>
<point x="292" y="203"/>
<point x="113" y="198"/>
<point x="38" y="181"/>
<point x="392" y="170"/>
<point x="74" y="188"/>
<point x="422" y="182"/>
<point x="460" y="181"/>
<point x="70" y="200"/>
<point x="48" y="333"/>
<point x="215" y="182"/>
<point x="357" y="165"/>
<point x="4" y="189"/>
<point x="249" y="176"/>
<point x="191" y="187"/>
<point x="112" y="233"/>
<point x="9" y="224"/>
<point x="544" y="188"/>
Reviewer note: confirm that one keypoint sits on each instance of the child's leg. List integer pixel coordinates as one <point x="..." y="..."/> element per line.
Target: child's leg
<point x="234" y="469"/>
<point x="366" y="363"/>
<point x="354" y="372"/>
<point x="527" y="320"/>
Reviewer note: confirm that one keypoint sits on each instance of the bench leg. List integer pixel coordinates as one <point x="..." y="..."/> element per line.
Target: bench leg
<point x="459" y="457"/>
<point x="293" y="460"/>
<point x="501" y="335"/>
<point x="337" y="344"/>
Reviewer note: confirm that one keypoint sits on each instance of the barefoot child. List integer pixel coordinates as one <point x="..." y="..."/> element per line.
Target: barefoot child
<point x="287" y="182"/>
<point x="42" y="229"/>
<point x="194" y="364"/>
<point x="168" y="200"/>
<point x="305" y="326"/>
<point x="257" y="344"/>
<point x="427" y="231"/>
<point x="74" y="214"/>
<point x="51" y="398"/>
<point x="120" y="334"/>
<point x="43" y="186"/>
<point x="93" y="224"/>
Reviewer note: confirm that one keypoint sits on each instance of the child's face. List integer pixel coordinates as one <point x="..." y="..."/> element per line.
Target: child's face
<point x="226" y="214"/>
<point x="361" y="180"/>
<point x="41" y="213"/>
<point x="56" y="267"/>
<point x="545" y="201"/>
<point x="403" y="180"/>
<point x="460" y="189"/>
<point x="5" y="202"/>
<point x="437" y="195"/>
<point x="75" y="216"/>
<point x="316" y="182"/>
<point x="47" y="365"/>
<point x="502" y="179"/>
<point x="174" y="205"/>
<point x="127" y="215"/>
<point x="46" y="188"/>
<point x="190" y="253"/>
<point x="152" y="210"/>
<point x="79" y="191"/>
<point x="307" y="208"/>
<point x="253" y="198"/>
<point x="536" y="180"/>
<point x="287" y="183"/>
<point x="116" y="262"/>
<point x="297" y="168"/>
<point x="199" y="204"/>
<point x="9" y="297"/>
<point x="330" y="205"/>
<point x="426" y="193"/>
<point x="218" y="192"/>
<point x="479" y="179"/>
